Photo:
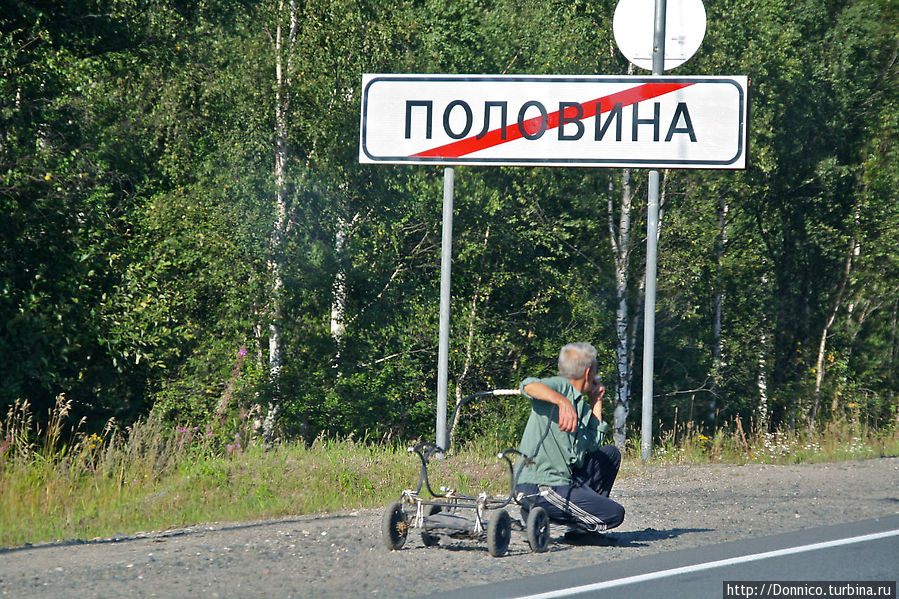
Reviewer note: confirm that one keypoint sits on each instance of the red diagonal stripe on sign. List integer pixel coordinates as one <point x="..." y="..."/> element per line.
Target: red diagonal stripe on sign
<point x="469" y="145"/>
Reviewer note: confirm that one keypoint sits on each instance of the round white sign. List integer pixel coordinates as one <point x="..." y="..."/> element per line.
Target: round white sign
<point x="634" y="27"/>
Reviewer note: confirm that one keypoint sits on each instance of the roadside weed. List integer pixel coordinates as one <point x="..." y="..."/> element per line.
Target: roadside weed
<point x="64" y="483"/>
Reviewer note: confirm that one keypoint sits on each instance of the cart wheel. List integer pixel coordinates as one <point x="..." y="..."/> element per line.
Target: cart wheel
<point x="538" y="530"/>
<point x="394" y="527"/>
<point x="499" y="532"/>
<point x="427" y="538"/>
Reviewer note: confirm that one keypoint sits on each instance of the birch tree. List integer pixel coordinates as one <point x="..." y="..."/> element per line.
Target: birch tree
<point x="718" y="309"/>
<point x="283" y="45"/>
<point x="339" y="291"/>
<point x="620" y="239"/>
<point x="828" y="323"/>
<point x="762" y="408"/>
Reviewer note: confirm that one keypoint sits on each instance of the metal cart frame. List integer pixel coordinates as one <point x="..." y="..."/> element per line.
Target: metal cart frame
<point x="453" y="514"/>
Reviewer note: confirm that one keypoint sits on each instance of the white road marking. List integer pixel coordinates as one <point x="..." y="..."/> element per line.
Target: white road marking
<point x="568" y="592"/>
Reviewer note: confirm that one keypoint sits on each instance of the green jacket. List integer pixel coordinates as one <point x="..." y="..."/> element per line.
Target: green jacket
<point x="560" y="452"/>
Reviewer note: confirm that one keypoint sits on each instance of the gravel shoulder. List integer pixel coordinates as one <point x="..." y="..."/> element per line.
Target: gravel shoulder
<point x="342" y="555"/>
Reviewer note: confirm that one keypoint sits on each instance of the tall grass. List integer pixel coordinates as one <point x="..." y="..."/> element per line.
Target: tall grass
<point x="57" y="483"/>
<point x="153" y="476"/>
<point x="837" y="441"/>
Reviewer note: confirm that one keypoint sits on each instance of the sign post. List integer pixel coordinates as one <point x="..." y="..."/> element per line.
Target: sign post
<point x="652" y="246"/>
<point x="446" y="263"/>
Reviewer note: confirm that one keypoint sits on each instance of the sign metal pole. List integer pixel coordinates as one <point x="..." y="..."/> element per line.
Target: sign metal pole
<point x="652" y="232"/>
<point x="446" y="262"/>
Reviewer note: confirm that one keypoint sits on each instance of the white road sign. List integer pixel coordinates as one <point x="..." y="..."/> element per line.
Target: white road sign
<point x="634" y="29"/>
<point x="605" y="121"/>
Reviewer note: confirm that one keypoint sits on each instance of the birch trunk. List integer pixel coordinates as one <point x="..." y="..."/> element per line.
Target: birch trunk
<point x="717" y="340"/>
<point x="762" y="382"/>
<point x="621" y="248"/>
<point x="472" y="317"/>
<point x="339" y="291"/>
<point x="276" y="245"/>
<point x="764" y="417"/>
<point x="828" y="323"/>
<point x="894" y="326"/>
<point x="338" y="298"/>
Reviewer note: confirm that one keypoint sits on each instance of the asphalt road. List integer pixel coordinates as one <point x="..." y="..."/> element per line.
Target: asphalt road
<point x="866" y="551"/>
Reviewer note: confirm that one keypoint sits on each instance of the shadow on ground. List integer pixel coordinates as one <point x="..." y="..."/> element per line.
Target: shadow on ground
<point x="637" y="538"/>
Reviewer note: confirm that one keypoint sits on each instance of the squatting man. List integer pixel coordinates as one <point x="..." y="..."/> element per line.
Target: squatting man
<point x="572" y="472"/>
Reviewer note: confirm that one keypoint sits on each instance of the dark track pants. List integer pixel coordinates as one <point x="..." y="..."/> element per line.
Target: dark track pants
<point x="586" y="501"/>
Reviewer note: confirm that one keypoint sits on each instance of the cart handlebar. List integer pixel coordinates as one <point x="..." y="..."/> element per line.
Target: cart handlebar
<point x="427" y="449"/>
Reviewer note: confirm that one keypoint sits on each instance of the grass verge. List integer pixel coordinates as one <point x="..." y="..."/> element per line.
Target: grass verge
<point x="152" y="476"/>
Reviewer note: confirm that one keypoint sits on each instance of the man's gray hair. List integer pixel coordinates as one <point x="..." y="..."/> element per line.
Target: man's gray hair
<point x="575" y="359"/>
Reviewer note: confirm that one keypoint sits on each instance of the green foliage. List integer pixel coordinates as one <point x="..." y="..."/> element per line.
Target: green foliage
<point x="137" y="203"/>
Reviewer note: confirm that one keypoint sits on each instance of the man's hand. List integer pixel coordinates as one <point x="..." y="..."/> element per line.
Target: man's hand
<point x="596" y="393"/>
<point x="567" y="414"/>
